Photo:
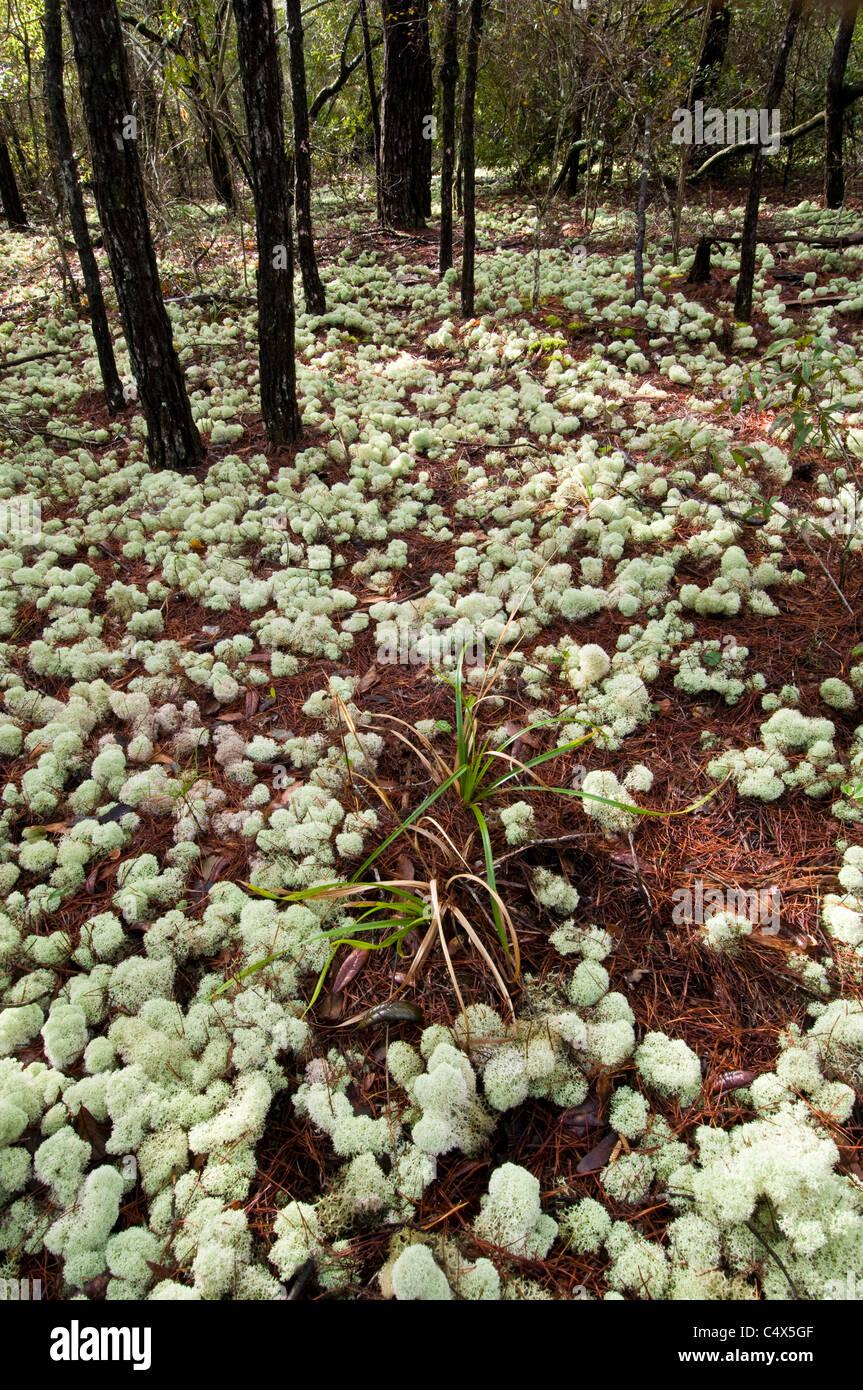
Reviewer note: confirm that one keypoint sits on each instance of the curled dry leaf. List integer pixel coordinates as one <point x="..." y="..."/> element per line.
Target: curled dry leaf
<point x="732" y="1080"/>
<point x="349" y="969"/>
<point x="599" y="1154"/>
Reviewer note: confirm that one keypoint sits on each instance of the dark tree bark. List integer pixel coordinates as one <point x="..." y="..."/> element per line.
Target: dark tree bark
<point x="468" y="157"/>
<point x="448" y="82"/>
<point x="58" y="124"/>
<point x="714" y="50"/>
<point x="172" y="439"/>
<point x="205" y="104"/>
<point x="406" y="113"/>
<point x="316" y="300"/>
<point x="10" y="198"/>
<point x="699" y="273"/>
<point x="271" y="186"/>
<point x="641" y="213"/>
<point x="373" y="102"/>
<point x="749" y="240"/>
<point x="834" y="118"/>
<point x="567" y="179"/>
<point x="217" y="159"/>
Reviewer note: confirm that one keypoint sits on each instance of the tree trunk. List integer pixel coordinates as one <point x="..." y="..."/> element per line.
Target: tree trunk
<point x="58" y="125"/>
<point x="173" y="440"/>
<point x="448" y="82"/>
<point x="271" y="186"/>
<point x="713" y="50"/>
<point x="373" y="102"/>
<point x="468" y="157"/>
<point x="749" y="240"/>
<point x="641" y="214"/>
<point x="10" y="198"/>
<point x="316" y="300"/>
<point x="834" y="121"/>
<point x="567" y="179"/>
<point x="203" y="87"/>
<point x="217" y="159"/>
<point x="406" y="114"/>
<point x="699" y="273"/>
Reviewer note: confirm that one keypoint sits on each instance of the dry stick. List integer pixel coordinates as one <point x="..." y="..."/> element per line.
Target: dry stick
<point x="817" y="557"/>
<point x="750" y="1226"/>
<point x="34" y="357"/>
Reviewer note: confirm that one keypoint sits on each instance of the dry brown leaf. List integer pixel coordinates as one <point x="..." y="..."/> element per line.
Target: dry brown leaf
<point x="349" y="969"/>
<point x="371" y="678"/>
<point x="599" y="1154"/>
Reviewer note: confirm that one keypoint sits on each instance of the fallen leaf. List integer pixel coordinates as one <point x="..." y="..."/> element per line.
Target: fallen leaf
<point x="95" y="1133"/>
<point x="405" y="867"/>
<point x="115" y="813"/>
<point x="636" y="976"/>
<point x="349" y="969"/>
<point x="731" y="1080"/>
<point x="599" y="1155"/>
<point x="581" y="1119"/>
<point x="96" y="1287"/>
<point x="371" y="677"/>
<point x="331" y="1007"/>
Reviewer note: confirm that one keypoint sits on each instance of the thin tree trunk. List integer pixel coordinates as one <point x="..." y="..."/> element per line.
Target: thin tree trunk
<point x="373" y="103"/>
<point x="449" y="82"/>
<point x="749" y="241"/>
<point x="713" y="49"/>
<point x="58" y="124"/>
<point x="641" y="215"/>
<point x="834" y="122"/>
<point x="567" y="179"/>
<point x="217" y="159"/>
<point x="173" y="440"/>
<point x="406" y="113"/>
<point x="468" y="158"/>
<point x="271" y="185"/>
<point x="205" y="97"/>
<point x="10" y="198"/>
<point x="697" y="80"/>
<point x="316" y="300"/>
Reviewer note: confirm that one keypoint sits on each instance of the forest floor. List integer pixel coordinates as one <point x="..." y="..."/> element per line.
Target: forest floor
<point x="532" y="438"/>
